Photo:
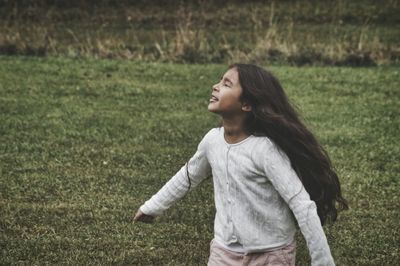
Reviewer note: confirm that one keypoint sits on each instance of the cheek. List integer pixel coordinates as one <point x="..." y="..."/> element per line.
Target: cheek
<point x="232" y="98"/>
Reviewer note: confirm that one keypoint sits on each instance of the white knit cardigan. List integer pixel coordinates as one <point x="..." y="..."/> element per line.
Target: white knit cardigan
<point x="258" y="196"/>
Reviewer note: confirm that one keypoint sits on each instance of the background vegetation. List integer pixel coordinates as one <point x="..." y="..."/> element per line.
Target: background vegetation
<point x="97" y="112"/>
<point x="85" y="142"/>
<point x="303" y="32"/>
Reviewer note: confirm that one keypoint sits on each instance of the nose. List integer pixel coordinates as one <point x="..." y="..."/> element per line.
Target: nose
<point x="215" y="87"/>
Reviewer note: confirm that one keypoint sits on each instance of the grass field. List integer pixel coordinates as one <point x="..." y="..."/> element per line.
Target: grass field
<point x="83" y="143"/>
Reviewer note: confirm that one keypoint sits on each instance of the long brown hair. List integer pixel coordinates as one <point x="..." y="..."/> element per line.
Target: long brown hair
<point x="273" y="116"/>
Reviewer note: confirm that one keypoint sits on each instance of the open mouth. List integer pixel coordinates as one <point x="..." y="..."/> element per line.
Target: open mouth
<point x="213" y="98"/>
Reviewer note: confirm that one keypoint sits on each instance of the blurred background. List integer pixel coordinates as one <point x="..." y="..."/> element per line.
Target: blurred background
<point x="307" y="32"/>
<point x="101" y="102"/>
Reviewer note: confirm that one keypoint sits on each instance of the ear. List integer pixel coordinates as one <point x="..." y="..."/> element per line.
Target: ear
<point x="246" y="107"/>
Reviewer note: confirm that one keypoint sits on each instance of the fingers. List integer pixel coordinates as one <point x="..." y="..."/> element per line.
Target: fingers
<point x="137" y="215"/>
<point x="141" y="217"/>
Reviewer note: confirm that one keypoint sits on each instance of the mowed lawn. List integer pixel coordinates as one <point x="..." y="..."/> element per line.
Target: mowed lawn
<point x="84" y="142"/>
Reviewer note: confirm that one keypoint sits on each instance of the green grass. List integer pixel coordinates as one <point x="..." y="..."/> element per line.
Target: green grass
<point x="83" y="143"/>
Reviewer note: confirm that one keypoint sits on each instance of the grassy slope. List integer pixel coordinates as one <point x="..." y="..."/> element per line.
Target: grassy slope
<point x="84" y="143"/>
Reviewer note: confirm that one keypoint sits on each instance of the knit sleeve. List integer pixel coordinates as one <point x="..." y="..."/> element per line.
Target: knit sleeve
<point x="198" y="169"/>
<point x="279" y="171"/>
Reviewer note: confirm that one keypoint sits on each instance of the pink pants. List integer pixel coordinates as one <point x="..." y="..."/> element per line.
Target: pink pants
<point x="220" y="257"/>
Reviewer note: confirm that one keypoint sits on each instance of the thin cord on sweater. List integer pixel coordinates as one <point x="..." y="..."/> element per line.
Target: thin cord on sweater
<point x="188" y="177"/>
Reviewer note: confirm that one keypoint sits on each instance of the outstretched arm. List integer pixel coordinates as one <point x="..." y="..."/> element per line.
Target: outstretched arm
<point x="197" y="168"/>
<point x="285" y="180"/>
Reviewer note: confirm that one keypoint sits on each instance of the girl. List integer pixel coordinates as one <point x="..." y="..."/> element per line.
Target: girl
<point x="268" y="171"/>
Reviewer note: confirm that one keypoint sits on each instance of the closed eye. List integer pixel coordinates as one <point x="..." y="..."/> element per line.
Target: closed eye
<point x="226" y="82"/>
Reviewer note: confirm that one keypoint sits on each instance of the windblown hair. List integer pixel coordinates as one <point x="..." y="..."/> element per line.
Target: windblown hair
<point x="273" y="116"/>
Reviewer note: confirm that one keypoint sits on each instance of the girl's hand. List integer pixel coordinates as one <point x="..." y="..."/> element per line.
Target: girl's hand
<point x="141" y="217"/>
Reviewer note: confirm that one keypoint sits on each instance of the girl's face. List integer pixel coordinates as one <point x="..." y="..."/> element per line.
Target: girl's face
<point x="225" y="96"/>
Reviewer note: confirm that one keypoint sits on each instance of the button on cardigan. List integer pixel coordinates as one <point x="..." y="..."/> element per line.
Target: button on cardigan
<point x="258" y="196"/>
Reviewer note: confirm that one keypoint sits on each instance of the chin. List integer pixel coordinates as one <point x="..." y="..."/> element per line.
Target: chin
<point x="212" y="110"/>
